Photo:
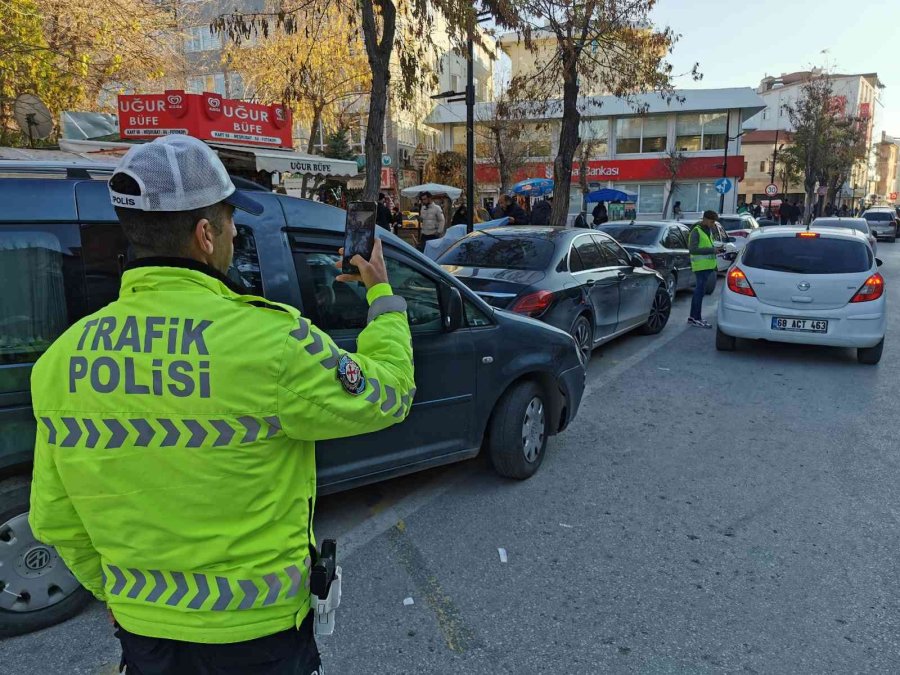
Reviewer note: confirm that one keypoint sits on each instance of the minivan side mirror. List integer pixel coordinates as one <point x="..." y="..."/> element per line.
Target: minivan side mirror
<point x="453" y="309"/>
<point x="879" y="262"/>
<point x="636" y="260"/>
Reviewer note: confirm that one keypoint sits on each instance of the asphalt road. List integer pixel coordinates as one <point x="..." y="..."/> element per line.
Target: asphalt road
<point x="705" y="512"/>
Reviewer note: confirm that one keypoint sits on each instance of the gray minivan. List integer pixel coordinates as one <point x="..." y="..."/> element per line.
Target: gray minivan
<point x="483" y="376"/>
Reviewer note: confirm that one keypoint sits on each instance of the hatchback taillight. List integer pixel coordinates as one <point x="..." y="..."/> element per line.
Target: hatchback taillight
<point x="871" y="290"/>
<point x="738" y="283"/>
<point x="533" y="304"/>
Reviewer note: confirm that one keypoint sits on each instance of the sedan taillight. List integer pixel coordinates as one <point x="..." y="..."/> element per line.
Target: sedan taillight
<point x="533" y="304"/>
<point x="738" y="283"/>
<point x="648" y="261"/>
<point x="871" y="290"/>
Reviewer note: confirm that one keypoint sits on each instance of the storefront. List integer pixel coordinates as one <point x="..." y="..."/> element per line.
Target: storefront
<point x="673" y="151"/>
<point x="253" y="140"/>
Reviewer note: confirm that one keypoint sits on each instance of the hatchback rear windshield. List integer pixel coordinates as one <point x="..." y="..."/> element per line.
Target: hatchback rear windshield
<point x="878" y="215"/>
<point x="483" y="249"/>
<point x="732" y="224"/>
<point x="819" y="255"/>
<point x="633" y="234"/>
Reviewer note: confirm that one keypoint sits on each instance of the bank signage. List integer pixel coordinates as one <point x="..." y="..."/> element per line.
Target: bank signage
<point x="207" y="116"/>
<point x="692" y="168"/>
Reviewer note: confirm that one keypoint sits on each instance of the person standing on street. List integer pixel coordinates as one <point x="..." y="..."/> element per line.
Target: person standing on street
<point x="174" y="464"/>
<point x="540" y="212"/>
<point x="431" y="219"/>
<point x="461" y="215"/>
<point x="600" y="214"/>
<point x="676" y="211"/>
<point x="383" y="212"/>
<point x="784" y="212"/>
<point x="703" y="263"/>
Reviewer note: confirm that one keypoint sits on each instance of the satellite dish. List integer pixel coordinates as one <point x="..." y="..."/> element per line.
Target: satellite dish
<point x="33" y="117"/>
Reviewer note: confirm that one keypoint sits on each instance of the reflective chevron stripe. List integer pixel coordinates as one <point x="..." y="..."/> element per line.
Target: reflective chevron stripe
<point x="112" y="434"/>
<point x="205" y="591"/>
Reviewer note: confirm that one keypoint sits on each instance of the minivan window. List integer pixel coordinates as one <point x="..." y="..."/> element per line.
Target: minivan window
<point x="42" y="272"/>
<point x="342" y="306"/>
<point x="244" y="268"/>
<point x="484" y="249"/>
<point x="820" y="255"/>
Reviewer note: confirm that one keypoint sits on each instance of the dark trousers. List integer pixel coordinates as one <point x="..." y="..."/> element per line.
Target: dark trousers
<point x="290" y="652"/>
<point x="699" y="292"/>
<point x="427" y="237"/>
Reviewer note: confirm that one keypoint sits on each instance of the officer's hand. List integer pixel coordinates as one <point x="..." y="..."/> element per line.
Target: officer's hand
<point x="371" y="272"/>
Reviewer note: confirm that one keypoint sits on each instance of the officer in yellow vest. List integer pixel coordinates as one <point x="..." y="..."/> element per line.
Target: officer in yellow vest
<point x="703" y="250"/>
<point x="175" y="456"/>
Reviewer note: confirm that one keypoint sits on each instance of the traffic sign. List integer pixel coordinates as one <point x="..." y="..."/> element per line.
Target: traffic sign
<point x="771" y="190"/>
<point x="893" y="196"/>
<point x="385" y="160"/>
<point x="723" y="185"/>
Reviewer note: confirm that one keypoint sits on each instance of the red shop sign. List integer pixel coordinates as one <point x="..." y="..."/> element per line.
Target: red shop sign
<point x="206" y="116"/>
<point x="620" y="170"/>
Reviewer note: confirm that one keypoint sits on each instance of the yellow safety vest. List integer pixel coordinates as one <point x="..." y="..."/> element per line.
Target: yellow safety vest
<point x="704" y="261"/>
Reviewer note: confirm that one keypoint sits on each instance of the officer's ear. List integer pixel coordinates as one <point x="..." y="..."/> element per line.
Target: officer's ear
<point x="205" y="236"/>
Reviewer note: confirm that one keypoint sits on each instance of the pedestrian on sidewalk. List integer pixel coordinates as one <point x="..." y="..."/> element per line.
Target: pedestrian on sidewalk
<point x="193" y="518"/>
<point x="703" y="263"/>
<point x="540" y="212"/>
<point x="600" y="214"/>
<point x="431" y="219"/>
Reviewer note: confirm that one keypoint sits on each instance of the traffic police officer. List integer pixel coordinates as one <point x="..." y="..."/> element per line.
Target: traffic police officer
<point x="175" y="454"/>
<point x="703" y="263"/>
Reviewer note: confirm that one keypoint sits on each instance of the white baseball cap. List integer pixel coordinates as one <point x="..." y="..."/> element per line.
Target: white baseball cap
<point x="178" y="173"/>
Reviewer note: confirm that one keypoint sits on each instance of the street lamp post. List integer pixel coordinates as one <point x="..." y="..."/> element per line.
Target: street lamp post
<point x="775" y="149"/>
<point x="469" y="97"/>
<point x="728" y="139"/>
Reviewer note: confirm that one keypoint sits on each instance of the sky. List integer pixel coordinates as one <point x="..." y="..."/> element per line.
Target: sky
<point x="738" y="43"/>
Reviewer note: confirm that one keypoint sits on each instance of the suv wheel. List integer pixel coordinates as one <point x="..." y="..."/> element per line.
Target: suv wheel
<point x="36" y="588"/>
<point x="517" y="435"/>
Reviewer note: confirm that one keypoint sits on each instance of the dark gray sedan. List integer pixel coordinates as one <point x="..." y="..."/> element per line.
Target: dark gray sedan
<point x="662" y="246"/>
<point x="580" y="281"/>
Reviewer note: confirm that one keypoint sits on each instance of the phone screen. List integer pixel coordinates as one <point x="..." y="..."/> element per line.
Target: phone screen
<point x="359" y="237"/>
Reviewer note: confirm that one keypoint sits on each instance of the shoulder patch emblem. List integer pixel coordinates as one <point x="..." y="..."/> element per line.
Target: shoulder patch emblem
<point x="351" y="375"/>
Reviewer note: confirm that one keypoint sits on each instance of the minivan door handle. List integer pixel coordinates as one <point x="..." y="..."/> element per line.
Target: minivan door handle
<point x="590" y="282"/>
<point x="621" y="275"/>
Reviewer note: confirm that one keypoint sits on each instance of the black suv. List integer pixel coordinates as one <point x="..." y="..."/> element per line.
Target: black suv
<point x="481" y="374"/>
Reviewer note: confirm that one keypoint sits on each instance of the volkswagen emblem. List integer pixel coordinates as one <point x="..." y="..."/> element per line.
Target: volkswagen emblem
<point x="37" y="558"/>
<point x="803" y="285"/>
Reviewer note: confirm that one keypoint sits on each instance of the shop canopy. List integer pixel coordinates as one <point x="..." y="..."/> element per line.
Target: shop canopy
<point x="435" y="189"/>
<point x="533" y="187"/>
<point x="283" y="161"/>
<point x="609" y="195"/>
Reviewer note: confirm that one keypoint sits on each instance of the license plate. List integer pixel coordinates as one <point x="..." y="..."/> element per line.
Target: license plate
<point x="802" y="325"/>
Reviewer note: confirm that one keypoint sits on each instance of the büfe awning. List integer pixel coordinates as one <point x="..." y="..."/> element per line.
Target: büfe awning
<point x="286" y="162"/>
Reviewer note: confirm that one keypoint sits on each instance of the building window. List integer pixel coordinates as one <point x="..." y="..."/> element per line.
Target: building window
<point x="641" y="134"/>
<point x="707" y="197"/>
<point x="695" y="132"/>
<point x="597" y="133"/>
<point x="649" y="196"/>
<point x="200" y="39"/>
<point x="686" y="193"/>
<point x="214" y="82"/>
<point x="762" y="166"/>
<point x="537" y="137"/>
<point x="459" y="139"/>
<point x="236" y="85"/>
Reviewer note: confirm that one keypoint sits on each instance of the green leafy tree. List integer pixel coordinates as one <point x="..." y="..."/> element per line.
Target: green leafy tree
<point x="338" y="145"/>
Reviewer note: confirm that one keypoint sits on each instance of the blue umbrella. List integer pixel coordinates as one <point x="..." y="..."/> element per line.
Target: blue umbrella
<point x="533" y="187"/>
<point x="608" y="195"/>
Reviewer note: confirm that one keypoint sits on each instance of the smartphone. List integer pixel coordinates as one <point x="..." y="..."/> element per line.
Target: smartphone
<point x="359" y="236"/>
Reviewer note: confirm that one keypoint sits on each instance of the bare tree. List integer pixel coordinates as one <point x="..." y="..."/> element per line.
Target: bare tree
<point x="502" y="128"/>
<point x="672" y="161"/>
<point x="612" y="42"/>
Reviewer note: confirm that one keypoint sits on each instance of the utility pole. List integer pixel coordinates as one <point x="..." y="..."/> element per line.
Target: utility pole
<point x="470" y="124"/>
<point x="725" y="160"/>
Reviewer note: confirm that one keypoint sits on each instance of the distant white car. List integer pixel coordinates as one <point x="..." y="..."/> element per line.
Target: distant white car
<point x="859" y="224"/>
<point x="817" y="286"/>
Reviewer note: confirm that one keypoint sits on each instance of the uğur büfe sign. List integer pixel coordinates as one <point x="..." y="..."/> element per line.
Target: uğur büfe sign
<point x="206" y="116"/>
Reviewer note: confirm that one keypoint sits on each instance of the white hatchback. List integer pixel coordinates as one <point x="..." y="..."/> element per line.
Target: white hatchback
<point x="818" y="287"/>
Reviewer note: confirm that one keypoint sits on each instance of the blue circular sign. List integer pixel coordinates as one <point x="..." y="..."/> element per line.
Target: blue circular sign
<point x="723" y="185"/>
